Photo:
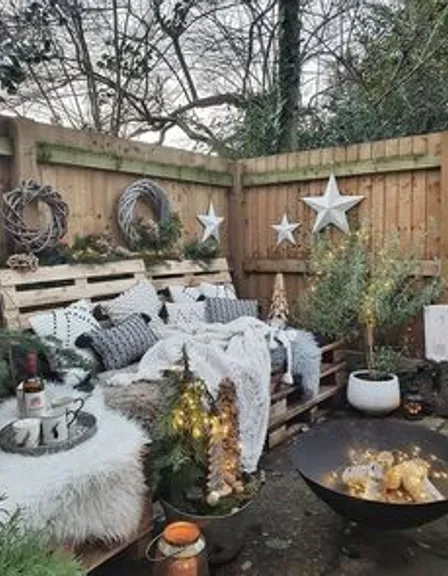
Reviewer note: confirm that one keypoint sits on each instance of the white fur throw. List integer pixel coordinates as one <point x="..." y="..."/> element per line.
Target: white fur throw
<point x="96" y="491"/>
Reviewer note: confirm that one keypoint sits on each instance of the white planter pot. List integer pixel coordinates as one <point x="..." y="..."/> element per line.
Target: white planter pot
<point x="373" y="397"/>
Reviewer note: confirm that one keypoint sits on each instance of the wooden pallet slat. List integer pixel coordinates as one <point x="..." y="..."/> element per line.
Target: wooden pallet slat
<point x="287" y="406"/>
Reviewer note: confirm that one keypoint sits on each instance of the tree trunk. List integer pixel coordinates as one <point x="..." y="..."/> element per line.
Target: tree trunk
<point x="289" y="72"/>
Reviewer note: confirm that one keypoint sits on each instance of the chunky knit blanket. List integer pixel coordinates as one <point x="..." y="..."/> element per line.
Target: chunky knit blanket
<point x="238" y="350"/>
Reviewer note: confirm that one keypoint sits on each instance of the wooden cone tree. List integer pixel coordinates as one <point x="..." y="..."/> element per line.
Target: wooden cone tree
<point x="279" y="309"/>
<point x="224" y="453"/>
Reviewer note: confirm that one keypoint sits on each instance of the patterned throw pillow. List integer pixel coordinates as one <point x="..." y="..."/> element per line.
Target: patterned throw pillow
<point x="186" y="315"/>
<point x="184" y="294"/>
<point x="224" y="310"/>
<point x="140" y="299"/>
<point x="121" y="345"/>
<point x="66" y="324"/>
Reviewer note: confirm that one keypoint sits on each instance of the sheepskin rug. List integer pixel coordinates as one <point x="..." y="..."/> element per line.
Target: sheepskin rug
<point x="94" y="492"/>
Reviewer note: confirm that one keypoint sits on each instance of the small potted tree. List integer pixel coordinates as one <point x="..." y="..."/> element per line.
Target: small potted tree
<point x="391" y="297"/>
<point x="195" y="465"/>
<point x="361" y="293"/>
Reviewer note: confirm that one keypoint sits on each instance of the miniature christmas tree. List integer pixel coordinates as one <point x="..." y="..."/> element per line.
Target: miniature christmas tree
<point x="279" y="310"/>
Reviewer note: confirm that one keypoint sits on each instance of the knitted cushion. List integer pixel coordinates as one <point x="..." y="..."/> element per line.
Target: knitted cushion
<point x="187" y="314"/>
<point x="224" y="310"/>
<point x="123" y="344"/>
<point x="140" y="299"/>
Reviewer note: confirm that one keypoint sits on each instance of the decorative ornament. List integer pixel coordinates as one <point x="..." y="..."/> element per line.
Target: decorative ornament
<point x="211" y="224"/>
<point x="285" y="229"/>
<point x="23" y="262"/>
<point x="331" y="208"/>
<point x="224" y="454"/>
<point x="279" y="309"/>
<point x="149" y="192"/>
<point x="32" y="239"/>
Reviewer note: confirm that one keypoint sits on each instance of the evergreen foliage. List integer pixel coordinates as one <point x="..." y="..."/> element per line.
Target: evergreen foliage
<point x="359" y="289"/>
<point x="28" y="552"/>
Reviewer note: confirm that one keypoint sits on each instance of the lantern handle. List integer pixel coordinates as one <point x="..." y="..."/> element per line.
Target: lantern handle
<point x="151" y="544"/>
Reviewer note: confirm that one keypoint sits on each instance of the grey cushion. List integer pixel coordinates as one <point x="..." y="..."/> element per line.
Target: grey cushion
<point x="224" y="310"/>
<point x="123" y="344"/>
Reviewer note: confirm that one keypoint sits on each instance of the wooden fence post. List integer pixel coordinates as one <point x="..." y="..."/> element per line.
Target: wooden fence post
<point x="24" y="166"/>
<point x="444" y="214"/>
<point x="236" y="227"/>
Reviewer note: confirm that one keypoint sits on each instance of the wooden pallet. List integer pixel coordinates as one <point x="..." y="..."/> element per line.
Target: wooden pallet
<point x="288" y="411"/>
<point x="50" y="287"/>
<point x="25" y="293"/>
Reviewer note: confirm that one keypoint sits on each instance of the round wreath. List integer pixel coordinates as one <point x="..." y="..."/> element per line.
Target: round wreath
<point x="150" y="193"/>
<point x="12" y="212"/>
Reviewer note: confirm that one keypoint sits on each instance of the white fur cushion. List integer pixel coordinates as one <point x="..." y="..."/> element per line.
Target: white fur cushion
<point x="140" y="299"/>
<point x="96" y="491"/>
<point x="187" y="314"/>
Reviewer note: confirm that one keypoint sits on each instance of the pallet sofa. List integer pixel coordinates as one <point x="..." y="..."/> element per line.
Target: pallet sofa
<point x="25" y="293"/>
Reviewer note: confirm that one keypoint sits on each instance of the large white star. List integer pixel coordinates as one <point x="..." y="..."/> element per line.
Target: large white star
<point x="285" y="229"/>
<point x="332" y="207"/>
<point x="211" y="223"/>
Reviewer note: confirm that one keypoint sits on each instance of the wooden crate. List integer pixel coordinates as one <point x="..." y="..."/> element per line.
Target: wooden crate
<point x="289" y="412"/>
<point x="189" y="273"/>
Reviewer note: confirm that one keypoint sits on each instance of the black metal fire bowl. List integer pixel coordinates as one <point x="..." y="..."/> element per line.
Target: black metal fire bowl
<point x="326" y="448"/>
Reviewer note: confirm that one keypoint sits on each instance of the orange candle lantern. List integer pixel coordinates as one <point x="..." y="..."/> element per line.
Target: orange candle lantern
<point x="181" y="551"/>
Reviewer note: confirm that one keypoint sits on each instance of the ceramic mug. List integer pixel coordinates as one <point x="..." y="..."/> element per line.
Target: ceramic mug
<point x="27" y="432"/>
<point x="55" y="425"/>
<point x="68" y="403"/>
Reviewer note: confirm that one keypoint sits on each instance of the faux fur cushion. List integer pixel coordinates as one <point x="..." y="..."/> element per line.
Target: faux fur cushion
<point x="140" y="299"/>
<point x="121" y="345"/>
<point x="186" y="314"/>
<point x="224" y="310"/>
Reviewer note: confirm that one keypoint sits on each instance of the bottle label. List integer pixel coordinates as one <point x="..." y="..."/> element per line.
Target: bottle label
<point x="35" y="403"/>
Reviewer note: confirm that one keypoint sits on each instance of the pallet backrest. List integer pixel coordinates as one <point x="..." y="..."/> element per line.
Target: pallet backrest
<point x="25" y="293"/>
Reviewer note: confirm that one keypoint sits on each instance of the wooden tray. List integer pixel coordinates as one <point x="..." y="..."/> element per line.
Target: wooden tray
<point x="84" y="428"/>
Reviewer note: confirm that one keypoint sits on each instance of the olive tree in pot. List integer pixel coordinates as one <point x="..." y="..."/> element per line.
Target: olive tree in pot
<point x="195" y="468"/>
<point x="362" y="292"/>
<point x="393" y="294"/>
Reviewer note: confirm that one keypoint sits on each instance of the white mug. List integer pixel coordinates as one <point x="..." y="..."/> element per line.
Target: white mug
<point x="68" y="403"/>
<point x="55" y="426"/>
<point x="27" y="432"/>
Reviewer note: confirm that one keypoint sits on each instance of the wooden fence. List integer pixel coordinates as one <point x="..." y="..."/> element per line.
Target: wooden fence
<point x="91" y="171"/>
<point x="404" y="182"/>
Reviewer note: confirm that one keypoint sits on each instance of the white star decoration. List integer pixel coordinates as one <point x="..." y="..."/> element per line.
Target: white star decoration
<point x="285" y="229"/>
<point x="332" y="207"/>
<point x="211" y="223"/>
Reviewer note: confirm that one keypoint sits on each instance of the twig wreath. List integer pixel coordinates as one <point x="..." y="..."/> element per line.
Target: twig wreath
<point x="12" y="212"/>
<point x="154" y="197"/>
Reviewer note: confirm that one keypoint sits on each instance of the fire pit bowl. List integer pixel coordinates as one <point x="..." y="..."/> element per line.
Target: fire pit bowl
<point x="326" y="448"/>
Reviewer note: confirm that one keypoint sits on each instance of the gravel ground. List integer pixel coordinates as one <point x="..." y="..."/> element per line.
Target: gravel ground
<point x="294" y="534"/>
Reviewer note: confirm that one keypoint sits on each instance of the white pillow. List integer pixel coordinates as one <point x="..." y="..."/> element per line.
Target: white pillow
<point x="66" y="324"/>
<point x="185" y="294"/>
<point x="218" y="290"/>
<point x="186" y="314"/>
<point x="140" y="299"/>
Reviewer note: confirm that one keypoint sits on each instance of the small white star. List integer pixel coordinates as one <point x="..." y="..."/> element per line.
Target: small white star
<point x="332" y="207"/>
<point x="285" y="229"/>
<point x="211" y="223"/>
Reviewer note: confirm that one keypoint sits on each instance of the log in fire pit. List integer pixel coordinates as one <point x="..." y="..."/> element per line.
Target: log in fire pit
<point x="323" y="454"/>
